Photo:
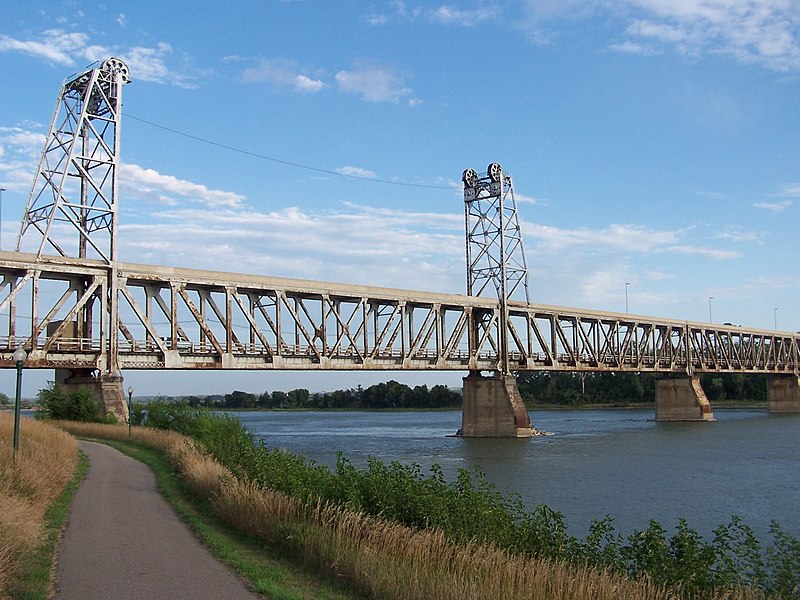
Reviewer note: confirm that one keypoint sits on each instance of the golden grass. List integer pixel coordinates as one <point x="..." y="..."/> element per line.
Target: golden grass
<point x="381" y="558"/>
<point x="46" y="461"/>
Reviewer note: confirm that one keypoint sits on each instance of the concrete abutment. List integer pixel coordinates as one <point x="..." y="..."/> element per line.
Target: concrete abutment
<point x="104" y="387"/>
<point x="682" y="400"/>
<point x="783" y="393"/>
<point x="493" y="407"/>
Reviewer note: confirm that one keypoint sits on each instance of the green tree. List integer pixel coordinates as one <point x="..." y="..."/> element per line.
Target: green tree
<point x="4" y="400"/>
<point x="73" y="405"/>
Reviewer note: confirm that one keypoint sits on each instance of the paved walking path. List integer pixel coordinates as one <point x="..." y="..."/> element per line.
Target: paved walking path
<point x="123" y="541"/>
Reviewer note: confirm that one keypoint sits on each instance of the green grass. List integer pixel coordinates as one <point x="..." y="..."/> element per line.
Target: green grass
<point x="34" y="581"/>
<point x="265" y="567"/>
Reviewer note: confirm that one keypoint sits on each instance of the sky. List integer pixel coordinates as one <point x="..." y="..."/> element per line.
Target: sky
<point x="654" y="146"/>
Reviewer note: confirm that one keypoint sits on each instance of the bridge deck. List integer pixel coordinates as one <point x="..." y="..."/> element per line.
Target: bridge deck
<point x="173" y="318"/>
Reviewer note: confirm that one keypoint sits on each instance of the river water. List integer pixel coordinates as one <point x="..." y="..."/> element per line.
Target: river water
<point x="598" y="462"/>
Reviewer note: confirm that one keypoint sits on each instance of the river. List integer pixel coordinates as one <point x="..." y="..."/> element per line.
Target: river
<point x="598" y="462"/>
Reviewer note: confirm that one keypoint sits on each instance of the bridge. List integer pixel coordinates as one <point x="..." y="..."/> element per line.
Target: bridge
<point x="90" y="316"/>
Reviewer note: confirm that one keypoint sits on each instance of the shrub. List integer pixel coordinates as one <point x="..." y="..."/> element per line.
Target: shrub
<point x="73" y="405"/>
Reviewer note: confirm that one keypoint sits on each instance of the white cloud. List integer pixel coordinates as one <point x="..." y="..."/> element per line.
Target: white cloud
<point x="149" y="184"/>
<point x="54" y="46"/>
<point x="282" y="73"/>
<point x="629" y="47"/>
<point x="775" y="207"/>
<point x="374" y="83"/>
<point x="357" y="172"/>
<point x="703" y="252"/>
<point x="761" y="32"/>
<point x="65" y="48"/>
<point x="450" y="15"/>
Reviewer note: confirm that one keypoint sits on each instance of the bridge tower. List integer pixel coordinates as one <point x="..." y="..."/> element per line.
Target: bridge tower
<point x="496" y="264"/>
<point x="72" y="211"/>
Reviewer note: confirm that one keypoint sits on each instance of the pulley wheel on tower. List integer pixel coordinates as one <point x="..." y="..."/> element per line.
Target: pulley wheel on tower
<point x="494" y="171"/>
<point x="469" y="177"/>
<point x="116" y="65"/>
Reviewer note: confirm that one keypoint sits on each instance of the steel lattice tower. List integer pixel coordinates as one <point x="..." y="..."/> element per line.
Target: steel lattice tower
<point x="75" y="188"/>
<point x="495" y="256"/>
<point x="75" y="191"/>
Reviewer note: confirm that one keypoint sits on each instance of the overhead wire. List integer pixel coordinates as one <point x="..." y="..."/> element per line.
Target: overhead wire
<point x="203" y="140"/>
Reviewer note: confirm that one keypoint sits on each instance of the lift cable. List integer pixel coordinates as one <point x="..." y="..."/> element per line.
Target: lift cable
<point x="283" y="162"/>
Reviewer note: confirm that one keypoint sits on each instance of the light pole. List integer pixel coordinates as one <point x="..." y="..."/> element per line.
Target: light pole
<point x="20" y="356"/>
<point x="1" y="216"/>
<point x="130" y="414"/>
<point x="775" y="317"/>
<point x="710" y="298"/>
<point x="626" y="296"/>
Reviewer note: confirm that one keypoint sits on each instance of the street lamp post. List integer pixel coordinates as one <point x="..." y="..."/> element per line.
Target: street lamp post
<point x="775" y="317"/>
<point x="130" y="414"/>
<point x="710" y="298"/>
<point x="2" y="189"/>
<point x="627" y="283"/>
<point x="20" y="356"/>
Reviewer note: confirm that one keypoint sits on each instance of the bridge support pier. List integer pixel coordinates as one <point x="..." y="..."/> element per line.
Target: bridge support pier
<point x="682" y="400"/>
<point x="783" y="393"/>
<point x="493" y="407"/>
<point x="104" y="387"/>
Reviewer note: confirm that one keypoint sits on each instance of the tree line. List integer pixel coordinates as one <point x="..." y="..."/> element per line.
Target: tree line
<point x="576" y="388"/>
<point x="379" y="396"/>
<point x="536" y="387"/>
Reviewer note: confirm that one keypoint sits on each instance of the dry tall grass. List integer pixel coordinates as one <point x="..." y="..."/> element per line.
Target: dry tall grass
<point x="46" y="461"/>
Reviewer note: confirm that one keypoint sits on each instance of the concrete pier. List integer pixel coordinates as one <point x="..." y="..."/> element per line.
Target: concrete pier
<point x="682" y="400"/>
<point x="104" y="387"/>
<point x="783" y="393"/>
<point x="493" y="407"/>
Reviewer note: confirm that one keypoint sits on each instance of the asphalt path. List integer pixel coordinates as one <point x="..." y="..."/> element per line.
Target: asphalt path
<point x="123" y="540"/>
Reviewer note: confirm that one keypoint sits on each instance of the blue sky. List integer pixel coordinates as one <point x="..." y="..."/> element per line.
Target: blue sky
<point x="654" y="142"/>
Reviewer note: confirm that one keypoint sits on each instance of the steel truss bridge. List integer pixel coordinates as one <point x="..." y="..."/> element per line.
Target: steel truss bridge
<point x="73" y="305"/>
<point x="170" y="318"/>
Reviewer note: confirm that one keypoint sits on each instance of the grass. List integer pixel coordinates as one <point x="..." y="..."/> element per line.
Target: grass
<point x="29" y="518"/>
<point x="35" y="576"/>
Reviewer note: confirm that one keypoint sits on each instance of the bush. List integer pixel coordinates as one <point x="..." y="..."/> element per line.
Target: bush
<point x="73" y="405"/>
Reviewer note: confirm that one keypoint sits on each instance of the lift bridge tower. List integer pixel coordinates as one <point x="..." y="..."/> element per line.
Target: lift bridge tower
<point x="495" y="264"/>
<point x="72" y="212"/>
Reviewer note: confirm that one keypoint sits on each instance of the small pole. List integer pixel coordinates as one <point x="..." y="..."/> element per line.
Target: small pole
<point x="130" y="414"/>
<point x="626" y="296"/>
<point x="710" y="298"/>
<point x="19" y="359"/>
<point x="775" y="316"/>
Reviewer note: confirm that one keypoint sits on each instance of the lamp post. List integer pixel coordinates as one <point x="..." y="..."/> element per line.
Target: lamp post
<point x="20" y="356"/>
<point x="710" y="298"/>
<point x="1" y="215"/>
<point x="775" y="317"/>
<point x="130" y="414"/>
<point x="626" y="296"/>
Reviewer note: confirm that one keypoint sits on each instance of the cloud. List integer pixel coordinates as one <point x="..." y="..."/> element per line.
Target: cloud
<point x="54" y="45"/>
<point x="629" y="47"/>
<point x="357" y="172"/>
<point x="715" y="254"/>
<point x="759" y="32"/>
<point x="447" y="14"/>
<point x="150" y="185"/>
<point x="375" y="83"/>
<point x="774" y="207"/>
<point x="282" y="73"/>
<point x="73" y="48"/>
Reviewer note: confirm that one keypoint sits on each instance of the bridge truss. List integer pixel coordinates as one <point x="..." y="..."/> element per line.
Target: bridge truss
<point x="169" y="318"/>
